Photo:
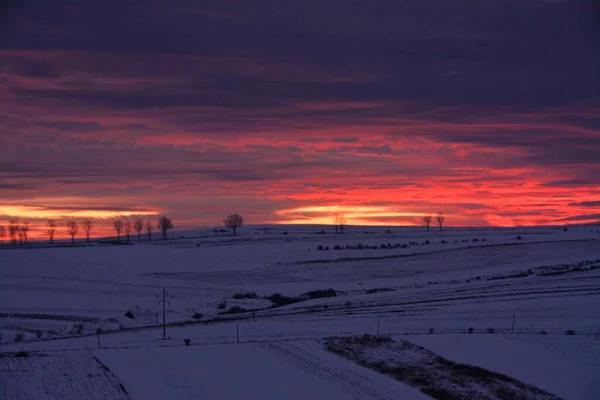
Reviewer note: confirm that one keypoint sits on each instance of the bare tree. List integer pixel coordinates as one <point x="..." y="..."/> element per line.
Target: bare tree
<point x="88" y="225"/>
<point x="164" y="225"/>
<point x="340" y="223"/>
<point x="440" y="220"/>
<point x="138" y="225"/>
<point x="118" y="225"/>
<point x="149" y="227"/>
<point x="72" y="229"/>
<point x="427" y="220"/>
<point x="233" y="222"/>
<point x="128" y="227"/>
<point x="24" y="228"/>
<point x="13" y="227"/>
<point x="13" y="230"/>
<point x="51" y="228"/>
<point x="2" y="233"/>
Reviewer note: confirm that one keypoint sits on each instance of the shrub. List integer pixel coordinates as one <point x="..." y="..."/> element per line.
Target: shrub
<point x="239" y="296"/>
<point x="348" y="304"/>
<point x="320" y="294"/>
<point x="470" y="330"/>
<point x="337" y="247"/>
<point x="570" y="332"/>
<point x="543" y="333"/>
<point x="490" y="330"/>
<point x="326" y="248"/>
<point x="280" y="300"/>
<point x="19" y="337"/>
<point x="129" y="314"/>
<point x="38" y="333"/>
<point x="77" y="329"/>
<point x="431" y="330"/>
<point x="320" y="248"/>
<point x="519" y="237"/>
<point x="197" y="315"/>
<point x="222" y="306"/>
<point x="98" y="331"/>
<point x="23" y="354"/>
<point x="187" y="342"/>
<point x="235" y="310"/>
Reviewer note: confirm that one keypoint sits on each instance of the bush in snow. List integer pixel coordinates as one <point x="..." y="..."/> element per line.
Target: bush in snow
<point x="187" y="342"/>
<point x="543" y="333"/>
<point x="320" y="294"/>
<point x="490" y="330"/>
<point x="19" y="337"/>
<point x="197" y="315"/>
<point x="431" y="330"/>
<point x="235" y="310"/>
<point x="470" y="330"/>
<point x="129" y="315"/>
<point x="519" y="237"/>
<point x="38" y="333"/>
<point x="222" y="306"/>
<point x="570" y="332"/>
<point x="23" y="354"/>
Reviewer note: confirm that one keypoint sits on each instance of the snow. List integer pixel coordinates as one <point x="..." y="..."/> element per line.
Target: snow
<point x="248" y="371"/>
<point x="447" y="287"/>
<point x="560" y="368"/>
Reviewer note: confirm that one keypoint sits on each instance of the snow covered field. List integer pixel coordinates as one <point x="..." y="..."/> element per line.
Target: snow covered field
<point x="428" y="288"/>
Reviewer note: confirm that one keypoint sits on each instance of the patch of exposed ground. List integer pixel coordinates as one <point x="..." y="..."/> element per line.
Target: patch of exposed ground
<point x="435" y="376"/>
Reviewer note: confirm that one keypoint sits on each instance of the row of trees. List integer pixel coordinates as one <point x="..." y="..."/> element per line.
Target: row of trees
<point x="439" y="218"/>
<point x="340" y="221"/>
<point x="17" y="232"/>
<point x="126" y="225"/>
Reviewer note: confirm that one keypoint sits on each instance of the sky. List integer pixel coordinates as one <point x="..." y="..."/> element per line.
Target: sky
<point x="293" y="111"/>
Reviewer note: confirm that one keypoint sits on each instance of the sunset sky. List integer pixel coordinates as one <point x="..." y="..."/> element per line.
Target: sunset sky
<point x="293" y="111"/>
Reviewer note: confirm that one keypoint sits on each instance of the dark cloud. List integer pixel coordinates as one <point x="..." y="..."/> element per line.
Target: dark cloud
<point x="461" y="106"/>
<point x="575" y="218"/>
<point x="586" y="204"/>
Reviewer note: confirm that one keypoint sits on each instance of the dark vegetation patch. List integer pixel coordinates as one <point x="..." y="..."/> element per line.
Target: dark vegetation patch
<point x="379" y="290"/>
<point x="280" y="300"/>
<point x="235" y="310"/>
<point x="435" y="376"/>
<point x="129" y="314"/>
<point x="242" y="296"/>
<point x="197" y="315"/>
<point x="319" y="294"/>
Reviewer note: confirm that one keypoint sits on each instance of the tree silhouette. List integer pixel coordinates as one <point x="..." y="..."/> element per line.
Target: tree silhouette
<point x="72" y="229"/>
<point x="138" y="225"/>
<point x="149" y="227"/>
<point x="87" y="227"/>
<point x="128" y="226"/>
<point x="23" y="229"/>
<point x="340" y="223"/>
<point x="440" y="220"/>
<point x="51" y="228"/>
<point x="233" y="222"/>
<point x="13" y="227"/>
<point x="118" y="225"/>
<point x="165" y="225"/>
<point x="427" y="220"/>
<point x="2" y="233"/>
